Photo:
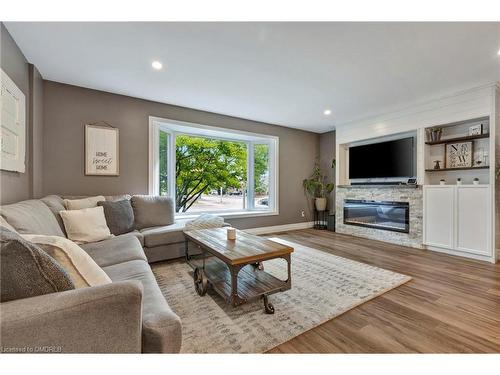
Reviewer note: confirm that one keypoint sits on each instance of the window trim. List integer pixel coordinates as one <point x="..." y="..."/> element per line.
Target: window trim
<point x="174" y="127"/>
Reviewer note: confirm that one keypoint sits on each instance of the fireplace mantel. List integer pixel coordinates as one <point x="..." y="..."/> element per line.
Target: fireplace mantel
<point x="413" y="194"/>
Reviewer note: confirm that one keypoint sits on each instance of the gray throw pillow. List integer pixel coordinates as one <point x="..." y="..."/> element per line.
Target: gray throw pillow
<point x="27" y="271"/>
<point x="152" y="210"/>
<point x="119" y="216"/>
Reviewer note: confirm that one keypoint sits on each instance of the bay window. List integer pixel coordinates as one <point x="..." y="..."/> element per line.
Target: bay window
<point x="213" y="170"/>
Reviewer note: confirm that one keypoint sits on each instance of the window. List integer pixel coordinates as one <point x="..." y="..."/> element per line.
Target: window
<point x="213" y="170"/>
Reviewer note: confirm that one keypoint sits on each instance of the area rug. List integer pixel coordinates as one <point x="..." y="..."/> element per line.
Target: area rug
<point x="323" y="287"/>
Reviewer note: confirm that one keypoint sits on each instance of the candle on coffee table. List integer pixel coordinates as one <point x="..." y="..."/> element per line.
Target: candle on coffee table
<point x="231" y="233"/>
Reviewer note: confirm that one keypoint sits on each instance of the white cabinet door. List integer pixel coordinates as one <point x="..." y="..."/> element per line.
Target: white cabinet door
<point x="439" y="216"/>
<point x="473" y="217"/>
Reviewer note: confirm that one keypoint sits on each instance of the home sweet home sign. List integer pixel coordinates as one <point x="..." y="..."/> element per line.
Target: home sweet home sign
<point x="101" y="150"/>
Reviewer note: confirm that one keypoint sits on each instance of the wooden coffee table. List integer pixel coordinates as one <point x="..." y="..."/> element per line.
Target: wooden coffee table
<point x="234" y="268"/>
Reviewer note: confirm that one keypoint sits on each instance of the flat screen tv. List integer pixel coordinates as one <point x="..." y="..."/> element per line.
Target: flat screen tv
<point x="390" y="159"/>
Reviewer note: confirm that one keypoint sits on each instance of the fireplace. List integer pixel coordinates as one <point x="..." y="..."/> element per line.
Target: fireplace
<point x="392" y="216"/>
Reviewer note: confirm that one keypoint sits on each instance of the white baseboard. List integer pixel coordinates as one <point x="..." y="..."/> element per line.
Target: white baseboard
<point x="280" y="228"/>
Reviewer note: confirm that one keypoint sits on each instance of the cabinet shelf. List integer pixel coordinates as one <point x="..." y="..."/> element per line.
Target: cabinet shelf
<point x="459" y="139"/>
<point x="457" y="169"/>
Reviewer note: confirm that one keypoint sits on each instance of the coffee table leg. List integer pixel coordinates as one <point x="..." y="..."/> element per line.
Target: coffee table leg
<point x="235" y="298"/>
<point x="268" y="306"/>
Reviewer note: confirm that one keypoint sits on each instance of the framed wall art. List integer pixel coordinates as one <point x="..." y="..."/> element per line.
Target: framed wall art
<point x="102" y="156"/>
<point x="459" y="155"/>
<point x="476" y="129"/>
<point x="12" y="126"/>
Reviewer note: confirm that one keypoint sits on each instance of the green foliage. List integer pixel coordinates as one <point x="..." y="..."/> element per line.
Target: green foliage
<point x="204" y="164"/>
<point x="261" y="169"/>
<point x="316" y="185"/>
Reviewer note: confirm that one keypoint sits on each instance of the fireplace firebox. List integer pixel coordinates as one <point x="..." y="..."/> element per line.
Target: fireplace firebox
<point x="392" y="216"/>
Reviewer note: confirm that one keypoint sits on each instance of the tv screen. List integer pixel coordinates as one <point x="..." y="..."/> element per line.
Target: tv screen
<point x="382" y="160"/>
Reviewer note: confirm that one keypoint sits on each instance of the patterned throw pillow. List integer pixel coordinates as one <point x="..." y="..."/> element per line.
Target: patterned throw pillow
<point x="119" y="216"/>
<point x="27" y="271"/>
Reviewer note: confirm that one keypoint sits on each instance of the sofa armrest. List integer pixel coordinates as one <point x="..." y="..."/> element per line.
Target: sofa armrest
<point x="103" y="319"/>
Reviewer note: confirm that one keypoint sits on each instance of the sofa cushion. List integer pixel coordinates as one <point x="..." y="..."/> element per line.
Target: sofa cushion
<point x="3" y="223"/>
<point x="152" y="211"/>
<point x="162" y="331"/>
<point x="115" y="250"/>
<point x="82" y="269"/>
<point x="31" y="217"/>
<point x="27" y="271"/>
<point x="119" y="216"/>
<point x="164" y="235"/>
<point x="86" y="225"/>
<point x="56" y="205"/>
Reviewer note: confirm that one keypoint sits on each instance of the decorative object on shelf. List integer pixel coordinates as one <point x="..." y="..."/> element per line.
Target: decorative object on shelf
<point x="13" y="125"/>
<point x="476" y="129"/>
<point x="434" y="134"/>
<point x="478" y="156"/>
<point x="475" y="181"/>
<point x="317" y="187"/>
<point x="458" y="155"/>
<point x="459" y="181"/>
<point x="231" y="233"/>
<point x="101" y="149"/>
<point x="436" y="165"/>
<point x="442" y="182"/>
<point x="320" y="219"/>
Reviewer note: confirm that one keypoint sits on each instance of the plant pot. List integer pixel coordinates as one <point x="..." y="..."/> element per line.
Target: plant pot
<point x="320" y="204"/>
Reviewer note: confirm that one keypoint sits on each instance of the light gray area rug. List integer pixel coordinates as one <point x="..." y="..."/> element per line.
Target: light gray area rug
<point x="323" y="287"/>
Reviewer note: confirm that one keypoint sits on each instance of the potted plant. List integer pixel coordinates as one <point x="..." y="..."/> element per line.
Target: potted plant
<point x="317" y="187"/>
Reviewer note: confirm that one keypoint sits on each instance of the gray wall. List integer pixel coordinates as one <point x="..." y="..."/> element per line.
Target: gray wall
<point x="15" y="186"/>
<point x="68" y="108"/>
<point x="327" y="154"/>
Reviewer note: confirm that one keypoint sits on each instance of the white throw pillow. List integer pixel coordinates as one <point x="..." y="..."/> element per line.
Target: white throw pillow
<point x="76" y="262"/>
<point x="86" y="225"/>
<point x="78" y="204"/>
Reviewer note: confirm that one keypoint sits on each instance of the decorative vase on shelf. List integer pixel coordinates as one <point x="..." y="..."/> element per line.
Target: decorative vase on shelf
<point x="435" y="135"/>
<point x="436" y="164"/>
<point x="442" y="182"/>
<point x="459" y="181"/>
<point x="320" y="204"/>
<point x="475" y="181"/>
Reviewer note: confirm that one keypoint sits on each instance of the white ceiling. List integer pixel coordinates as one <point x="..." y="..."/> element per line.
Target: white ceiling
<point x="280" y="73"/>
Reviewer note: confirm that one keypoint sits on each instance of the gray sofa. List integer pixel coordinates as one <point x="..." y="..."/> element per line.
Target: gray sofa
<point x="129" y="315"/>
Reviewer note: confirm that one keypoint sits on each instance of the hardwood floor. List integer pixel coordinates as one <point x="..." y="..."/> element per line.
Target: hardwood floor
<point x="452" y="305"/>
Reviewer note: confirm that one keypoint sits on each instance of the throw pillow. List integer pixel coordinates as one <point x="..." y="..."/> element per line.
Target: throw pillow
<point x="152" y="211"/>
<point x="27" y="271"/>
<point x="119" y="216"/>
<point x="86" y="225"/>
<point x="76" y="262"/>
<point x="78" y="204"/>
<point x="5" y="224"/>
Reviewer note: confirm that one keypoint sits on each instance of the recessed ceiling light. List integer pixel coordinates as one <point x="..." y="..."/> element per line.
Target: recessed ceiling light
<point x="157" y="65"/>
<point x="327" y="112"/>
<point x="498" y="53"/>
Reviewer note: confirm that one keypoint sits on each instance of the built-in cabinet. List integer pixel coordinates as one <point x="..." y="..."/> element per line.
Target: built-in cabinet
<point x="458" y="220"/>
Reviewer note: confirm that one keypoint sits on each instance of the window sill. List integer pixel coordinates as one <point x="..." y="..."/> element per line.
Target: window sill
<point x="228" y="215"/>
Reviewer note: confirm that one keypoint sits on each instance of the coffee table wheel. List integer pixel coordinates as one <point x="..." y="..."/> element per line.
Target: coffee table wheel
<point x="200" y="281"/>
<point x="268" y="306"/>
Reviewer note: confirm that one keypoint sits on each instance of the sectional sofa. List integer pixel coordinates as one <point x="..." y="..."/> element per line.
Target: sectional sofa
<point x="130" y="315"/>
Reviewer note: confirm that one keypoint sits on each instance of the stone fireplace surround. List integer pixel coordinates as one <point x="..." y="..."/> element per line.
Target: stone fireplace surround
<point x="411" y="194"/>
